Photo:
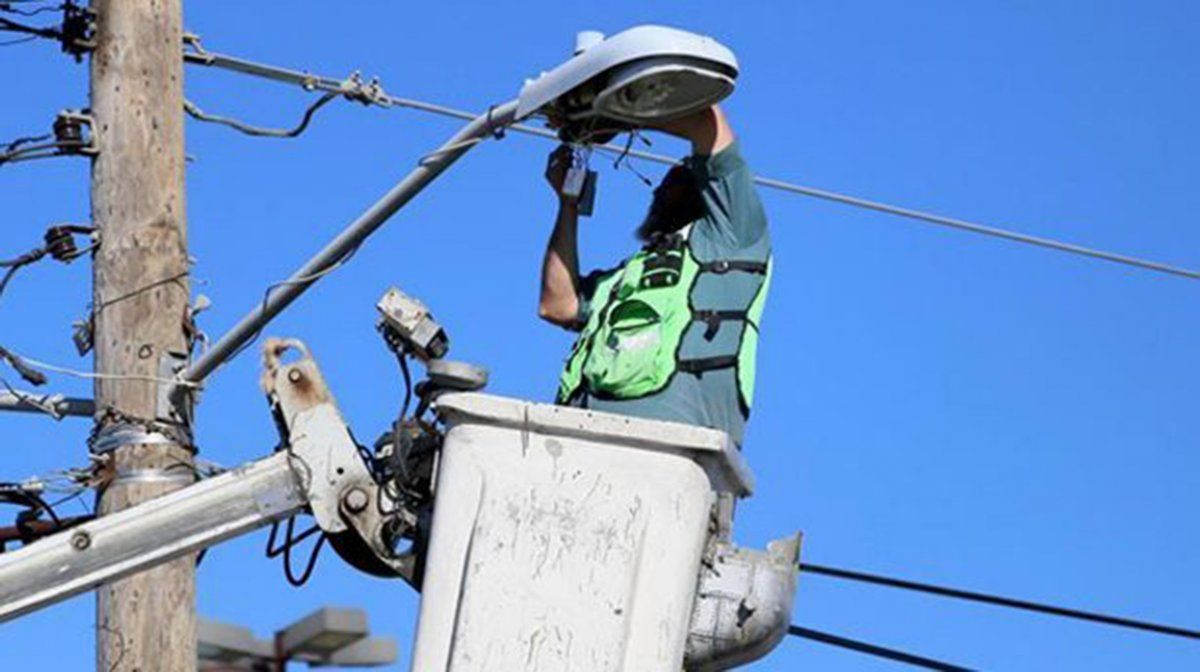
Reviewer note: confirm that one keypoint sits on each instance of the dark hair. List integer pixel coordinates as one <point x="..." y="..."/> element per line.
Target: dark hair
<point x="677" y="202"/>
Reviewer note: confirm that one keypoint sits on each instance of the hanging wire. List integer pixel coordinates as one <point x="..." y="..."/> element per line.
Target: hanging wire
<point x="258" y="131"/>
<point x="291" y="540"/>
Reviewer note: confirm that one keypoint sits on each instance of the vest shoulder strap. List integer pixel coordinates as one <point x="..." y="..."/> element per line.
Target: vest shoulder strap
<point x="721" y="266"/>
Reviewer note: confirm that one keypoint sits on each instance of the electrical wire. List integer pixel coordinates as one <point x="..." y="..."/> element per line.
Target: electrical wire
<point x="291" y="540"/>
<point x="39" y="151"/>
<point x="23" y="495"/>
<point x="874" y="650"/>
<point x="1000" y="601"/>
<point x="293" y="281"/>
<point x="18" y="40"/>
<point x="90" y="375"/>
<point x="8" y="7"/>
<point x="353" y="89"/>
<point x="10" y="26"/>
<point x="258" y="131"/>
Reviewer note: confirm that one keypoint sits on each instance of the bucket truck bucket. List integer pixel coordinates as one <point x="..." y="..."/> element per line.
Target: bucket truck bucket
<point x="565" y="539"/>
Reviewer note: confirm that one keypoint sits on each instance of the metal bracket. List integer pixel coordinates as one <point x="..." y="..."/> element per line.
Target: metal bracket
<point x="348" y="504"/>
<point x="168" y="475"/>
<point x="175" y="402"/>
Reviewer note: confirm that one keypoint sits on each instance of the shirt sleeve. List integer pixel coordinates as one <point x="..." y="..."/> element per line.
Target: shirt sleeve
<point x="734" y="214"/>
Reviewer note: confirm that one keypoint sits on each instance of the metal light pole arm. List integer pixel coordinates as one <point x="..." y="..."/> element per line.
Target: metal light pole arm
<point x="351" y="237"/>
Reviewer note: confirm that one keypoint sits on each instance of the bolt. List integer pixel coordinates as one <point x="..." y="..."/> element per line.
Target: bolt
<point x="81" y="540"/>
<point x="355" y="500"/>
<point x="145" y="351"/>
<point x="294" y="375"/>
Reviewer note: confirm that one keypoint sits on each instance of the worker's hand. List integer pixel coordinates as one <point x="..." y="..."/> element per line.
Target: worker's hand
<point x="556" y="169"/>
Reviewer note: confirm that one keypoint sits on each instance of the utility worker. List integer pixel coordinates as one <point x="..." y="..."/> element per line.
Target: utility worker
<point x="671" y="333"/>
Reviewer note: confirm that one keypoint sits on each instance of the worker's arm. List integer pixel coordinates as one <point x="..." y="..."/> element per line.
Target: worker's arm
<point x="708" y="130"/>
<point x="735" y="215"/>
<point x="559" y="302"/>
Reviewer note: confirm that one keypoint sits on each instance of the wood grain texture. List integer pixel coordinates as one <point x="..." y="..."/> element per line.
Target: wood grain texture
<point x="147" y="621"/>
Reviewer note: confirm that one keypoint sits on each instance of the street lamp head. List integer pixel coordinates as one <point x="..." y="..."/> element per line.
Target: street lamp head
<point x="642" y="76"/>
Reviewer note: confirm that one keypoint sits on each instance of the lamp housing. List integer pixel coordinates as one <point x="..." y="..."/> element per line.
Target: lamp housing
<point x="639" y="77"/>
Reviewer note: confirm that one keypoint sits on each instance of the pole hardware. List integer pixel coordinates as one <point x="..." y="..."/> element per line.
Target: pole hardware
<point x="166" y="475"/>
<point x="78" y="30"/>
<point x="114" y="435"/>
<point x="60" y="240"/>
<point x="70" y="134"/>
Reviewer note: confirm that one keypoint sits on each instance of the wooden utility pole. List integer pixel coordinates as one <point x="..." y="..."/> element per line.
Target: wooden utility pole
<point x="147" y="621"/>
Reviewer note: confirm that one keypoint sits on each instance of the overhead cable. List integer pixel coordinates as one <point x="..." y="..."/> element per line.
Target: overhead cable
<point x="200" y="115"/>
<point x="1000" y="601"/>
<point x="354" y="88"/>
<point x="36" y="31"/>
<point x="874" y="650"/>
<point x="9" y="7"/>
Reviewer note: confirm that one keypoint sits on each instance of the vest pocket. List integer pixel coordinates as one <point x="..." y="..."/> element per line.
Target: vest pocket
<point x="625" y="359"/>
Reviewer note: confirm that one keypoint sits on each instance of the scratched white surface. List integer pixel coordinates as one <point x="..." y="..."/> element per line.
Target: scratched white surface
<point x="556" y="552"/>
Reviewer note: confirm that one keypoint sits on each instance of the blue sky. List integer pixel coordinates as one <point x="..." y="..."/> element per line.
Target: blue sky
<point x="932" y="404"/>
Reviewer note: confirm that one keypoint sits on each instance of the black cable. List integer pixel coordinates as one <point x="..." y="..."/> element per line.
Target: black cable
<point x="19" y="40"/>
<point x="402" y="356"/>
<point x="14" y="27"/>
<point x="997" y="600"/>
<point x="309" y="567"/>
<point x="873" y="650"/>
<point x="8" y="7"/>
<point x="41" y="504"/>
<point x="290" y="542"/>
<point x="14" y="493"/>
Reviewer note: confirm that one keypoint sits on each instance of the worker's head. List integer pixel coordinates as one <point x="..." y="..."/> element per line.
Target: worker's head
<point x="677" y="203"/>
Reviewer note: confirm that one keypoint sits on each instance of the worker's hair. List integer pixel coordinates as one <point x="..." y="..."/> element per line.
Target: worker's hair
<point x="677" y="203"/>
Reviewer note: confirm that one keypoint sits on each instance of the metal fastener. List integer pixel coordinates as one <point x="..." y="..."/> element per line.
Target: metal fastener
<point x="81" y="540"/>
<point x="294" y="375"/>
<point x="355" y="500"/>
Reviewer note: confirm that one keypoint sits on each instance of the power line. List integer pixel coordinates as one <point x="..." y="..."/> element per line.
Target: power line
<point x="36" y="31"/>
<point x="8" y="7"/>
<point x="874" y="650"/>
<point x="19" y="40"/>
<point x="354" y="88"/>
<point x="1001" y="601"/>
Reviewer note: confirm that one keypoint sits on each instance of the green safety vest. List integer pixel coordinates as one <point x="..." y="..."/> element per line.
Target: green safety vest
<point x="629" y="347"/>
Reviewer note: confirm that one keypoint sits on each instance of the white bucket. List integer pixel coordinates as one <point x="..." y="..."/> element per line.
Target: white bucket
<point x="565" y="539"/>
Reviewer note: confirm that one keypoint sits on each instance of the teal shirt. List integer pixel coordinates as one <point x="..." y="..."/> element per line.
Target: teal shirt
<point x="734" y="226"/>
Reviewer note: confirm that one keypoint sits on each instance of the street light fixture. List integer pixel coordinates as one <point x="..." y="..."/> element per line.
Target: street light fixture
<point x="326" y="637"/>
<point x="323" y="632"/>
<point x="639" y="76"/>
